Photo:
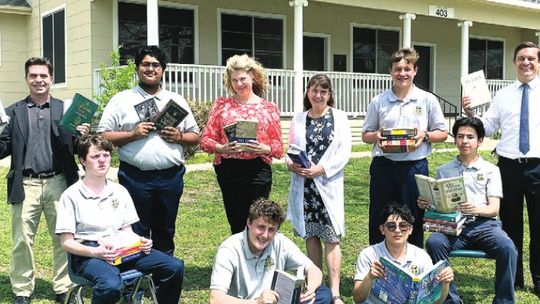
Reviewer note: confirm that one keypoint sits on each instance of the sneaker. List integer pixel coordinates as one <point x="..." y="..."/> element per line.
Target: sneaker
<point x="21" y="300"/>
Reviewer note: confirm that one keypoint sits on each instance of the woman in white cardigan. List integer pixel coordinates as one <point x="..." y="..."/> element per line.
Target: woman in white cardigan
<point x="316" y="199"/>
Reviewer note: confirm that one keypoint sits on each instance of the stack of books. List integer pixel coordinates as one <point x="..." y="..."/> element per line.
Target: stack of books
<point x="447" y="223"/>
<point x="398" y="140"/>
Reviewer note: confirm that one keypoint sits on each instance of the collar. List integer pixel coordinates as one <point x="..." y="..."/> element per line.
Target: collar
<point x="532" y="84"/>
<point x="413" y="97"/>
<point x="247" y="252"/>
<point x="31" y="104"/>
<point x="89" y="194"/>
<point x="146" y="95"/>
<point x="409" y="254"/>
<point x="477" y="164"/>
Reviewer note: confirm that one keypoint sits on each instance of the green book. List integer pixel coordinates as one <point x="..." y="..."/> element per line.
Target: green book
<point x="80" y="111"/>
<point x="171" y="116"/>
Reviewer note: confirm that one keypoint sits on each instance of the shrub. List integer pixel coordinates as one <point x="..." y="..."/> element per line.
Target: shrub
<point x="201" y="110"/>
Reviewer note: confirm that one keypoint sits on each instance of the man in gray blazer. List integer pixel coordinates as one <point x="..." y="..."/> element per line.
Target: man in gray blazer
<point x="42" y="167"/>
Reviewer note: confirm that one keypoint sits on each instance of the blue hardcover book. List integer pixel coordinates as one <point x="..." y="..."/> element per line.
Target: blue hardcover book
<point x="299" y="157"/>
<point x="401" y="286"/>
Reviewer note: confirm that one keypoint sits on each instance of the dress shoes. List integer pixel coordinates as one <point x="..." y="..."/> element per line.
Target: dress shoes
<point x="21" y="300"/>
<point x="61" y="299"/>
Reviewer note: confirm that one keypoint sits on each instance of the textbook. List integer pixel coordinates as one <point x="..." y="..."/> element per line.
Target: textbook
<point x="146" y="109"/>
<point x="80" y="111"/>
<point x="400" y="286"/>
<point x="398" y="133"/>
<point x="443" y="194"/>
<point x="443" y="228"/>
<point x="287" y="286"/>
<point x="475" y="86"/>
<point x="241" y="131"/>
<point x="398" y="145"/>
<point x="128" y="244"/>
<point x="170" y="116"/>
<point x="298" y="156"/>
<point x="455" y="216"/>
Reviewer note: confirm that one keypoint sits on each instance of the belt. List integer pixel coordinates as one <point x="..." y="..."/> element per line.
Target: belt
<point x="42" y="175"/>
<point x="523" y="160"/>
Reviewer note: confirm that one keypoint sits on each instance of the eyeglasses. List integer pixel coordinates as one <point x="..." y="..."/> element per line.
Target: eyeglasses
<point x="146" y="65"/>
<point x="392" y="226"/>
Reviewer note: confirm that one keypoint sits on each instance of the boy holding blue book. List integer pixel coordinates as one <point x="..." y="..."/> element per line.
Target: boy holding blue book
<point x="484" y="191"/>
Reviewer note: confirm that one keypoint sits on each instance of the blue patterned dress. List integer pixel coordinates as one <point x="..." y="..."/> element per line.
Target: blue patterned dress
<point x="319" y="135"/>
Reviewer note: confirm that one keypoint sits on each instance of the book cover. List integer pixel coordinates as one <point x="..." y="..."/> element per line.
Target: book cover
<point x="230" y="131"/>
<point x="287" y="286"/>
<point x="398" y="146"/>
<point x="446" y="223"/>
<point x="443" y="194"/>
<point x="147" y="109"/>
<point x="475" y="86"/>
<point x="401" y="286"/>
<point x="432" y="227"/>
<point x="455" y="216"/>
<point x="298" y="156"/>
<point x="127" y="242"/>
<point x="404" y="132"/>
<point x="80" y="111"/>
<point x="170" y="116"/>
<point x="246" y="130"/>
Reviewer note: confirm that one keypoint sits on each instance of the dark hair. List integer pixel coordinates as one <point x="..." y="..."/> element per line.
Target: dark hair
<point x="38" y="61"/>
<point x="154" y="51"/>
<point x="85" y="142"/>
<point x="267" y="209"/>
<point x="526" y="45"/>
<point x="324" y="82"/>
<point x="473" y="122"/>
<point x="398" y="210"/>
<point x="409" y="54"/>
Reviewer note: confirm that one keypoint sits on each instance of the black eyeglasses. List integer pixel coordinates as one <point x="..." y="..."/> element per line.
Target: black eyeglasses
<point x="392" y="226"/>
<point x="146" y="65"/>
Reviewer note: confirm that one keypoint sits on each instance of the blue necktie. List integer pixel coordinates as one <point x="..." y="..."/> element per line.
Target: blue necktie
<point x="524" y="121"/>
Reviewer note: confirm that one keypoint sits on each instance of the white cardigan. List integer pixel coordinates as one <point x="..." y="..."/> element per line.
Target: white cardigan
<point x="330" y="185"/>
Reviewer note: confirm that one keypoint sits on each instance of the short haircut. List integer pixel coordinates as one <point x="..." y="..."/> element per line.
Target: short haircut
<point x="398" y="210"/>
<point x="267" y="209"/>
<point x="526" y="45"/>
<point x="322" y="81"/>
<point x="408" y="54"/>
<point x="154" y="51"/>
<point x="473" y="122"/>
<point x="247" y="64"/>
<point x="85" y="142"/>
<point x="38" y="61"/>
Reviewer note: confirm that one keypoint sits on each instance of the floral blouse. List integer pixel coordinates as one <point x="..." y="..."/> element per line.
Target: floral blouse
<point x="227" y="110"/>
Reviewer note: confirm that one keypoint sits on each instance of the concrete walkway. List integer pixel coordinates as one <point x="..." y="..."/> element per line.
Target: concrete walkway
<point x="489" y="144"/>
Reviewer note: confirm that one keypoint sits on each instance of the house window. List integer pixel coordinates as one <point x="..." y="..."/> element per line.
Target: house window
<point x="54" y="47"/>
<point x="258" y="37"/>
<point x="176" y="32"/>
<point x="372" y="49"/>
<point x="487" y="55"/>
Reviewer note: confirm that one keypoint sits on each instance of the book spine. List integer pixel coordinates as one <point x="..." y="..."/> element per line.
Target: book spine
<point x="414" y="293"/>
<point x="441" y="222"/>
<point x="296" y="296"/>
<point x="450" y="217"/>
<point x="398" y="132"/>
<point x="445" y="230"/>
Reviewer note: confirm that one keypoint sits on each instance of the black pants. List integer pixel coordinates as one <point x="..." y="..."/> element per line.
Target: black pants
<point x="522" y="180"/>
<point x="242" y="182"/>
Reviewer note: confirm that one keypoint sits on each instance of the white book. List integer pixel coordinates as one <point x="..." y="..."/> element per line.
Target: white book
<point x="475" y="86"/>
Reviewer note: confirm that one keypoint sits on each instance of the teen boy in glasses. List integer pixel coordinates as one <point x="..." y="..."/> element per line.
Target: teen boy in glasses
<point x="484" y="191"/>
<point x="396" y="227"/>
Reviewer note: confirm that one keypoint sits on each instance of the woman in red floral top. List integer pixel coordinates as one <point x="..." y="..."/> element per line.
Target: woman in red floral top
<point x="243" y="170"/>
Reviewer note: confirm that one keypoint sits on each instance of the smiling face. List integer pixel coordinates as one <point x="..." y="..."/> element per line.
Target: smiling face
<point x="402" y="74"/>
<point x="97" y="162"/>
<point x="39" y="80"/>
<point x="526" y="64"/>
<point x="242" y="83"/>
<point x="401" y="233"/>
<point x="318" y="96"/>
<point x="467" y="141"/>
<point x="261" y="232"/>
<point x="150" y="71"/>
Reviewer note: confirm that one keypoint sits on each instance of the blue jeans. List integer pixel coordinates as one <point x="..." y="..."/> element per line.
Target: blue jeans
<point x="394" y="182"/>
<point x="484" y="234"/>
<point x="167" y="274"/>
<point x="156" y="196"/>
<point x="323" y="295"/>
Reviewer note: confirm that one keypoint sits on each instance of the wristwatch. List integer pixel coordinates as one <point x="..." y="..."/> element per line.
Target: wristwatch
<point x="426" y="136"/>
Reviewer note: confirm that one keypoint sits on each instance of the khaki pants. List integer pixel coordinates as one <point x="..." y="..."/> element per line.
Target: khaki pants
<point x="42" y="195"/>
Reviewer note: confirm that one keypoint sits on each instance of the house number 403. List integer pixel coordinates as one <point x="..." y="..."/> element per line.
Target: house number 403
<point x="440" y="11"/>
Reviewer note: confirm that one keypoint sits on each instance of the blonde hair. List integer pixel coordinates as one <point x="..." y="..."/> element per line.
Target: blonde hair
<point x="247" y="64"/>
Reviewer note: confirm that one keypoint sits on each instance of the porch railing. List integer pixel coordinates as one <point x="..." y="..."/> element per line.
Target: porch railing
<point x="353" y="91"/>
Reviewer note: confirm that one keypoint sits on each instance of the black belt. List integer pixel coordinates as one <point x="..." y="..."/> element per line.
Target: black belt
<point x="523" y="160"/>
<point x="41" y="175"/>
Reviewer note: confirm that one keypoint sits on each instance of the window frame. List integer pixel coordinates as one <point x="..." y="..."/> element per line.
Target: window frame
<point x="327" y="46"/>
<point x="252" y="14"/>
<point x="493" y="39"/>
<point x="372" y="27"/>
<point x="47" y="13"/>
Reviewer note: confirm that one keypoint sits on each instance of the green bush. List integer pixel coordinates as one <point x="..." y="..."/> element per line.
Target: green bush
<point x="201" y="110"/>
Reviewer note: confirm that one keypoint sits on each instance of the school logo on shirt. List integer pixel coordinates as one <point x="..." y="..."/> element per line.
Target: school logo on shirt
<point x="480" y="177"/>
<point x="115" y="203"/>
<point x="414" y="269"/>
<point x="418" y="110"/>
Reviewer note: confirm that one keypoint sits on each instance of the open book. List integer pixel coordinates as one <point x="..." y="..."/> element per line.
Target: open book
<point x="401" y="286"/>
<point x="129" y="244"/>
<point x="170" y="116"/>
<point x="288" y="286"/>
<point x="443" y="194"/>
<point x="298" y="156"/>
<point x="80" y="111"/>
<point x="241" y="131"/>
<point x="475" y="86"/>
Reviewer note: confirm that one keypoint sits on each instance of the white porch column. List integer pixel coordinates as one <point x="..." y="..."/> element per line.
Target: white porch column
<point x="407" y="29"/>
<point x="298" y="52"/>
<point x="538" y="35"/>
<point x="465" y="46"/>
<point x="152" y="22"/>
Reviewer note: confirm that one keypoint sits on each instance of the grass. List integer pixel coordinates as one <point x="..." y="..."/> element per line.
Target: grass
<point x="202" y="226"/>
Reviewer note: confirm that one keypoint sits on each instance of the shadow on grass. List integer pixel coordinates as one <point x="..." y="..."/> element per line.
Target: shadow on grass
<point x="197" y="278"/>
<point x="43" y="292"/>
<point x="474" y="288"/>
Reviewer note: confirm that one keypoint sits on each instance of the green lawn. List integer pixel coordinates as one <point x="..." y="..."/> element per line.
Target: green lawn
<point x="201" y="226"/>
